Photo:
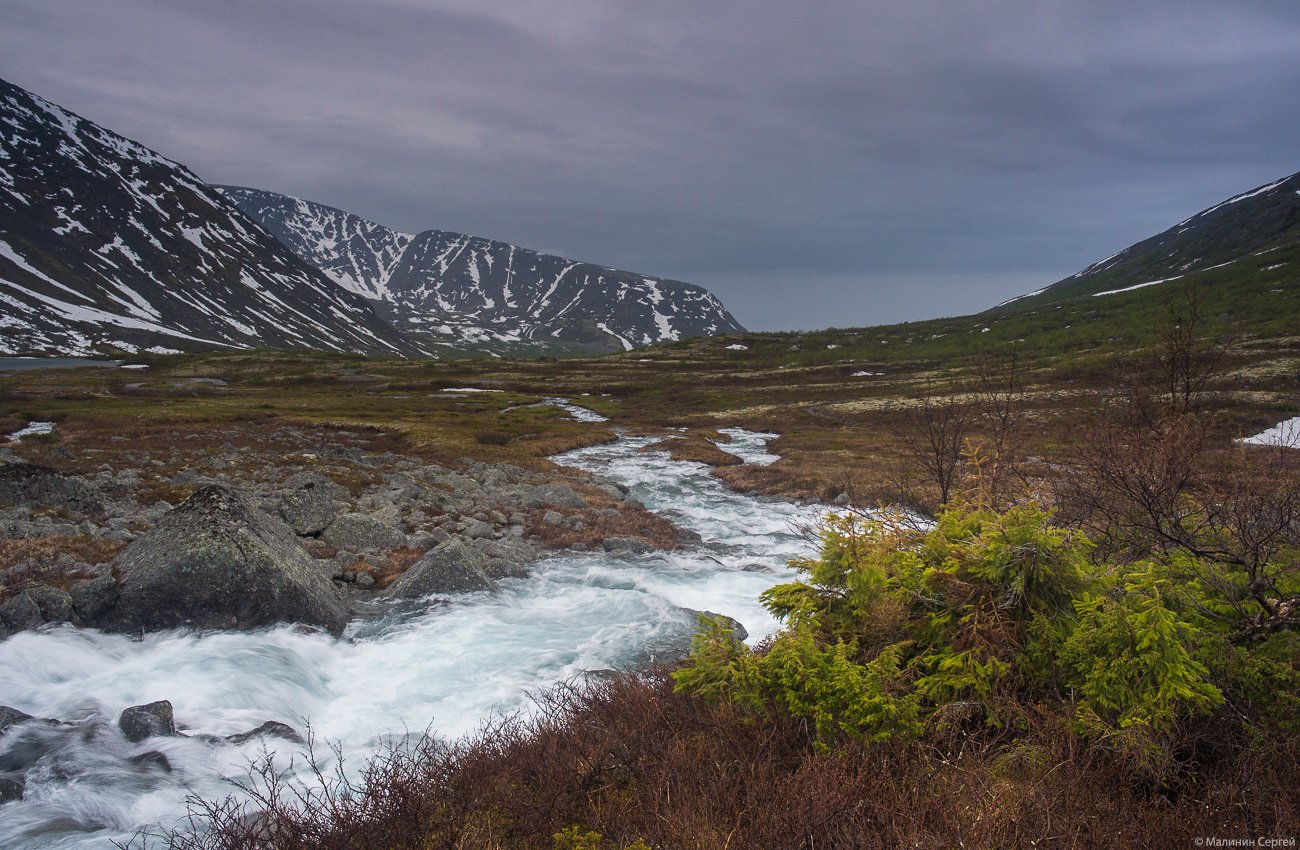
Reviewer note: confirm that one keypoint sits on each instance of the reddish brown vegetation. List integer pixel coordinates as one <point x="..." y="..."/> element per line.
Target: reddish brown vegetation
<point x="630" y="759"/>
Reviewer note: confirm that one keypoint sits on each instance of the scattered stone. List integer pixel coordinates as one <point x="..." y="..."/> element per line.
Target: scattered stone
<point x="449" y="567"/>
<point x="93" y="596"/>
<point x="559" y="494"/>
<point x="740" y="632"/>
<point x="308" y="509"/>
<point x="553" y="518"/>
<point x="11" y="717"/>
<point x="55" y="605"/>
<point x="627" y="545"/>
<point x="365" y="580"/>
<point x="505" y="558"/>
<point x="20" y="612"/>
<point x="151" y="720"/>
<point x="217" y="562"/>
<point x="272" y="728"/>
<point x="152" y="759"/>
<point x="10" y="789"/>
<point x="26" y="483"/>
<point x="477" y="529"/>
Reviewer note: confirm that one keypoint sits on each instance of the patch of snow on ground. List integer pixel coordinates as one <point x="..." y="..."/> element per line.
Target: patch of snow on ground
<point x="1285" y="434"/>
<point x="865" y="374"/>
<point x="32" y="428"/>
<point x="737" y="347"/>
<point x="469" y="390"/>
<point x="1135" y="286"/>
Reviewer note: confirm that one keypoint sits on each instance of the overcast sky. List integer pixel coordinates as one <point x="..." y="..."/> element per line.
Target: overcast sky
<point x="845" y="162"/>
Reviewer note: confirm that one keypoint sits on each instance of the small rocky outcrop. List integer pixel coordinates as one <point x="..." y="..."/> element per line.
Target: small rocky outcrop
<point x="308" y="511"/>
<point x="559" y="494"/>
<point x="271" y="728"/>
<point x="31" y="484"/>
<point x="151" y="720"/>
<point x="362" y="532"/>
<point x="218" y="562"/>
<point x="11" y="717"/>
<point x="450" y="567"/>
<point x="627" y="545"/>
<point x="20" y="612"/>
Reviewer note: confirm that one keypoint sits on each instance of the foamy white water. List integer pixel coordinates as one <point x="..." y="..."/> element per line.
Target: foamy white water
<point x="444" y="667"/>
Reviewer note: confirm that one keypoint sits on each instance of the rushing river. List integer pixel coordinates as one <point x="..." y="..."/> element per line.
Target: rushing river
<point x="445" y="668"/>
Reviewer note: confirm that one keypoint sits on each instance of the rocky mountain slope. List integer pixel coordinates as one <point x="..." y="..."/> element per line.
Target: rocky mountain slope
<point x="453" y="288"/>
<point x="103" y="242"/>
<point x="1245" y="229"/>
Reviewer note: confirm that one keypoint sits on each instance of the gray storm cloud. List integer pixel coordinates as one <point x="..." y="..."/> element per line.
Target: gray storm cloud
<point x="830" y="163"/>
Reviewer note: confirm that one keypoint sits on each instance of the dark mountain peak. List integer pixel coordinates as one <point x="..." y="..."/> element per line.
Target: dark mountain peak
<point x="106" y="244"/>
<point x="459" y="289"/>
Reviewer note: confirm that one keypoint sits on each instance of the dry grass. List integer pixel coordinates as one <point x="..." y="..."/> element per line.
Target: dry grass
<point x="630" y="759"/>
<point x="697" y="447"/>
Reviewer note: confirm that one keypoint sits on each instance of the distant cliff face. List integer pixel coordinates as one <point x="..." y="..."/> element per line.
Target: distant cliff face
<point x="104" y="243"/>
<point x="456" y="288"/>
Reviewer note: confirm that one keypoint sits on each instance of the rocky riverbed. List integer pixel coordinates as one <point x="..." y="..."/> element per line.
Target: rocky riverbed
<point x="200" y="665"/>
<point x="302" y="537"/>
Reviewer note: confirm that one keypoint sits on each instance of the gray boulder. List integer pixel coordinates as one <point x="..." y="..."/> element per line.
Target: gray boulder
<point x="26" y="483"/>
<point x="627" y="545"/>
<point x="93" y="596"/>
<point x="152" y="720"/>
<point x="54" y="604"/>
<point x="272" y="728"/>
<point x="560" y="495"/>
<point x="505" y="558"/>
<point x="308" y="509"/>
<point x="477" y="529"/>
<point x="217" y="562"/>
<point x="11" y="717"/>
<point x="359" y="532"/>
<point x="449" y="567"/>
<point x="20" y="612"/>
<point x="10" y="789"/>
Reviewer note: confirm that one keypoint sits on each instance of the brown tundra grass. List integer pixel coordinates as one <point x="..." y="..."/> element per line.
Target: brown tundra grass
<point x="630" y="759"/>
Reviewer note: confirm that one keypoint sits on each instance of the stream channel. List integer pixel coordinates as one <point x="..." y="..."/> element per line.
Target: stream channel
<point x="444" y="666"/>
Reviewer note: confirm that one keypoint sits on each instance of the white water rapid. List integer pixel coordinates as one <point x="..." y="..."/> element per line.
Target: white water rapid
<point x="445" y="667"/>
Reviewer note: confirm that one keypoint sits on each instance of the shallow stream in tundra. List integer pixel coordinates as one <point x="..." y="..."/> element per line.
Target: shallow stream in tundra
<point x="445" y="666"/>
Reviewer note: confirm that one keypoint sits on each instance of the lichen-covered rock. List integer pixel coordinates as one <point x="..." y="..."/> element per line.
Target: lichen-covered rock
<point x="26" y="483"/>
<point x="627" y="545"/>
<point x="93" y="596"/>
<point x="505" y="558"/>
<point x="449" y="567"/>
<point x="308" y="509"/>
<point x="272" y="728"/>
<point x="11" y="717"/>
<point x="560" y="495"/>
<point x="218" y="562"/>
<point x="20" y="612"/>
<point x="361" y="532"/>
<point x="54" y="604"/>
<point x="152" y="720"/>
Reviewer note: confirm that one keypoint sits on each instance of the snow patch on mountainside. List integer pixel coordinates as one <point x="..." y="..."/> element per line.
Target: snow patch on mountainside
<point x="454" y="288"/>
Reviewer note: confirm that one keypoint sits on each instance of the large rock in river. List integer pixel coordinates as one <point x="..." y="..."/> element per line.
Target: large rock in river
<point x="450" y="567"/>
<point x="217" y="562"/>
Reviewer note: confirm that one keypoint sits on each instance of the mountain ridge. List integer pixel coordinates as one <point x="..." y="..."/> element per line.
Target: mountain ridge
<point x="1257" y="221"/>
<point x="106" y="245"/>
<point x="455" y="288"/>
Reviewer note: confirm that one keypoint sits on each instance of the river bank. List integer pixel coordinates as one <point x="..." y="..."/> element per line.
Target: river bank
<point x="445" y="663"/>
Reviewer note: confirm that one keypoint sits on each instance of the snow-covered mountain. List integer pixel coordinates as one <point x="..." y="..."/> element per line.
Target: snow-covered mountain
<point x="105" y="243"/>
<point x="449" y="287"/>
